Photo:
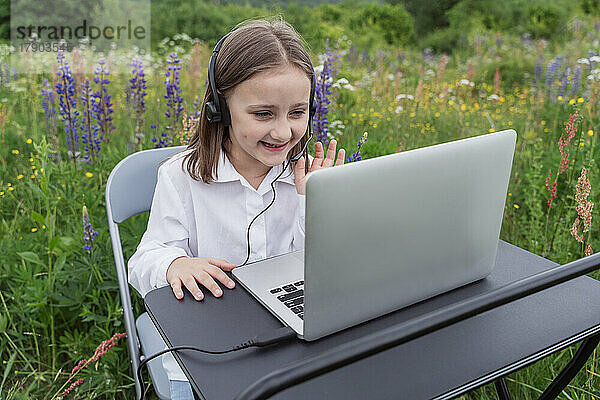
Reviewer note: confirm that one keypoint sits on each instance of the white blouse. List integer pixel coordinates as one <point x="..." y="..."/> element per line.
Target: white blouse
<point x="195" y="219"/>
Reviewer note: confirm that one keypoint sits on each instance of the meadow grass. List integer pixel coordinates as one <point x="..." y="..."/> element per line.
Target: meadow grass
<point x="58" y="301"/>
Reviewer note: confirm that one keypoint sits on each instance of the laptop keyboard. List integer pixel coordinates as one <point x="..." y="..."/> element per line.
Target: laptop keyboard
<point x="292" y="295"/>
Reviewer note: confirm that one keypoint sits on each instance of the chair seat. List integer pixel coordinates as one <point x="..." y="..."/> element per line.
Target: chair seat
<point x="151" y="343"/>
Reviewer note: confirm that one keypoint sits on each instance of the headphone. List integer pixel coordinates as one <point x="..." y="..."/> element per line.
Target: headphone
<point x="217" y="110"/>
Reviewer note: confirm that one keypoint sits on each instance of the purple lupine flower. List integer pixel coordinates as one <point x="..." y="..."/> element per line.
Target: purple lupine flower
<point x="161" y="141"/>
<point x="6" y="74"/>
<point x="322" y="91"/>
<point x="499" y="40"/>
<point x="89" y="234"/>
<point x="428" y="55"/>
<point x="400" y="55"/>
<point x="102" y="106"/>
<point x="89" y="127"/>
<point x="539" y="70"/>
<point x="174" y="100"/>
<point x="65" y="88"/>
<point x="356" y="156"/>
<point x="137" y="92"/>
<point x="564" y="81"/>
<point x="196" y="107"/>
<point x="48" y="106"/>
<point x="364" y="57"/>
<point x="551" y="71"/>
<point x="353" y="53"/>
<point x="576" y="83"/>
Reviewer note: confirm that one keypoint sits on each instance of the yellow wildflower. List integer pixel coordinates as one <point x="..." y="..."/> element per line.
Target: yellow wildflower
<point x="580" y="100"/>
<point x="572" y="101"/>
<point x="590" y="133"/>
<point x="516" y="206"/>
<point x="15" y="151"/>
<point x="543" y="122"/>
<point x="509" y="193"/>
<point x="19" y="176"/>
<point x="29" y="141"/>
<point x="559" y="98"/>
<point x="491" y="130"/>
<point x="33" y="229"/>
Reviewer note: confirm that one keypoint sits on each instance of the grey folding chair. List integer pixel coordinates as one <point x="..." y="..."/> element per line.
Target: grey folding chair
<point x="129" y="191"/>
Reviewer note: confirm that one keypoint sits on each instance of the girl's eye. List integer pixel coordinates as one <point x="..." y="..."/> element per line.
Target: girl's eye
<point x="262" y="114"/>
<point x="298" y="113"/>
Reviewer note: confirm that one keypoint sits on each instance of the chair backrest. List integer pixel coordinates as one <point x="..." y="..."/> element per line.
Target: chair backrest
<point x="131" y="183"/>
<point x="129" y="191"/>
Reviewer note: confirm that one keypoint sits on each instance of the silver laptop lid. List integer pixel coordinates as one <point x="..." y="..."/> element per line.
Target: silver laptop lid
<point x="390" y="231"/>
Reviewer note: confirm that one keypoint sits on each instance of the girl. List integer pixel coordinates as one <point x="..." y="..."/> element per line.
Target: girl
<point x="214" y="204"/>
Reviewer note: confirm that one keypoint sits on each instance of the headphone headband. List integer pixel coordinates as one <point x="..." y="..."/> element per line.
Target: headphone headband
<point x="216" y="110"/>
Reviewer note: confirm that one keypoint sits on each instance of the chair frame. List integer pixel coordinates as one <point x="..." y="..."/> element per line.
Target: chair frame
<point x="139" y="172"/>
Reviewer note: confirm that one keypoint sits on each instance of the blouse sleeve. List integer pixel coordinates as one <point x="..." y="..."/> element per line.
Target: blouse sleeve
<point x="166" y="238"/>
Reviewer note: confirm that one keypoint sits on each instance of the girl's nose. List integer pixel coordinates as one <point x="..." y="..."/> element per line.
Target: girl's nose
<point x="282" y="131"/>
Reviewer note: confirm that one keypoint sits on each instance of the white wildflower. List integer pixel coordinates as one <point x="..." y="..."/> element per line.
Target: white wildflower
<point x="404" y="96"/>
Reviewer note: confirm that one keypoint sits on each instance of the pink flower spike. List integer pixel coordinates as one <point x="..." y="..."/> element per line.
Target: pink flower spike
<point x="548" y="179"/>
<point x="588" y="251"/>
<point x="73" y="386"/>
<point x="574" y="231"/>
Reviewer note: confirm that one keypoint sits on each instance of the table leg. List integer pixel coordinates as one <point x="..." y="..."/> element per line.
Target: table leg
<point x="565" y="376"/>
<point x="502" y="389"/>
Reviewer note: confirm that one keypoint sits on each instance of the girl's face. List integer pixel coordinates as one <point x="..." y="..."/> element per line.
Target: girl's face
<point x="269" y="116"/>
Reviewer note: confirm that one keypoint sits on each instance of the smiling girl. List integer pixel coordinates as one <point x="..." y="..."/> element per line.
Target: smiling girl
<point x="234" y="195"/>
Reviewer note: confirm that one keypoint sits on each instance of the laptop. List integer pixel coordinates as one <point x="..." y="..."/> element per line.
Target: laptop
<point x="388" y="232"/>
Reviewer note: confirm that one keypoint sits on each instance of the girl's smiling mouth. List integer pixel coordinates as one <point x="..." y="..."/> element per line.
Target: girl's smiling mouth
<point x="273" y="147"/>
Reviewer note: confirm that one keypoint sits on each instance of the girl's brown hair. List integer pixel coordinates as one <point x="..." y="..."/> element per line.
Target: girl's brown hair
<point x="253" y="46"/>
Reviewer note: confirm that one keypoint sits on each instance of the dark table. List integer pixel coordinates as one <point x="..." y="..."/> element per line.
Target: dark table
<point x="441" y="365"/>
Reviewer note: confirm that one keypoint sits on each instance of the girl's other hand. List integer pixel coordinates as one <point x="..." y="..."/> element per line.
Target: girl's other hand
<point x="188" y="271"/>
<point x="320" y="161"/>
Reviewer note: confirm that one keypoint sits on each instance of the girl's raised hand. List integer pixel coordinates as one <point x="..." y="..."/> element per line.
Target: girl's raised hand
<point x="187" y="271"/>
<point x="320" y="161"/>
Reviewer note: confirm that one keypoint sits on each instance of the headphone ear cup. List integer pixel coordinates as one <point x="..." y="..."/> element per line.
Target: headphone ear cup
<point x="211" y="112"/>
<point x="313" y="108"/>
<point x="225" y="115"/>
